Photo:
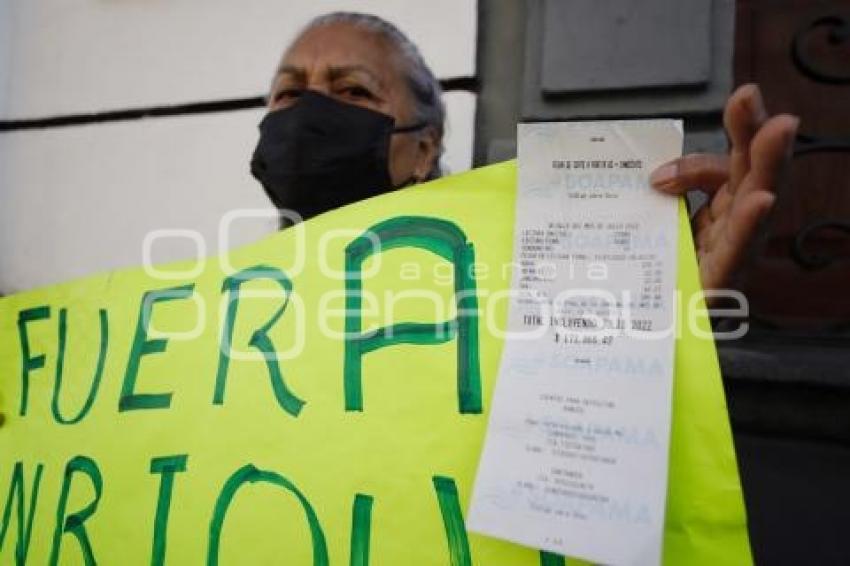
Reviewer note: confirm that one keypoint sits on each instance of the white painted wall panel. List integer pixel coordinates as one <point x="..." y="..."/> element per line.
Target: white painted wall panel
<point x="79" y="200"/>
<point x="80" y="56"/>
<point x="460" y="131"/>
<point x="5" y="54"/>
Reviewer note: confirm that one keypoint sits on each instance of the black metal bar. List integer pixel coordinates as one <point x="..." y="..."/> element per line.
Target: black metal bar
<point x="470" y="84"/>
<point x="805" y="144"/>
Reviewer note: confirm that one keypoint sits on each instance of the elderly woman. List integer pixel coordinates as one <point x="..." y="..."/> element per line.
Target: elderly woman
<point x="354" y="111"/>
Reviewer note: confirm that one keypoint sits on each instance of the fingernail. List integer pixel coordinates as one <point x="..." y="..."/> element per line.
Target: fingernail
<point x="792" y="134"/>
<point x="759" y="108"/>
<point x="770" y="201"/>
<point x="663" y="175"/>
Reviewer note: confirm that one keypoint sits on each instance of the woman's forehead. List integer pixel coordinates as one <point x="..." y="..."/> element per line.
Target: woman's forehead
<point x="342" y="46"/>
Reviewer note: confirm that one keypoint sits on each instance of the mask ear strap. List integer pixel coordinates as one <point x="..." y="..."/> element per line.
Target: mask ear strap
<point x="411" y="128"/>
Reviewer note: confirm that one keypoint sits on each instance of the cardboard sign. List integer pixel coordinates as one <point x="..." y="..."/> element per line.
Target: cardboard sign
<point x="319" y="397"/>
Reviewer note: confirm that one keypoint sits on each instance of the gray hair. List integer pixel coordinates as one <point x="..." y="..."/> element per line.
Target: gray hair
<point x="428" y="105"/>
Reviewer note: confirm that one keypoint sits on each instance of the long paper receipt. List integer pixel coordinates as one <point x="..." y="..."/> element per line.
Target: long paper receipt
<point x="575" y="457"/>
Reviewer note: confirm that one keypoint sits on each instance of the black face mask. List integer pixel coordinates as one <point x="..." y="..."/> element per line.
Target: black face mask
<point x="320" y="154"/>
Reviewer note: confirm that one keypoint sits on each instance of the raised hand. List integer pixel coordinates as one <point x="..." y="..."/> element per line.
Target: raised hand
<point x="741" y="186"/>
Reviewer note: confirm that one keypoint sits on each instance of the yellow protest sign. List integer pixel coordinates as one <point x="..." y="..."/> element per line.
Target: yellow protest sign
<point x="268" y="409"/>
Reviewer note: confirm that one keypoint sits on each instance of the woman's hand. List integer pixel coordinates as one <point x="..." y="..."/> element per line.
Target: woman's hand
<point x="741" y="186"/>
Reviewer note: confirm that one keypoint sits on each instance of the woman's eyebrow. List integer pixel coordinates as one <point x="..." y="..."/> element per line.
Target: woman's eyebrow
<point x="297" y="73"/>
<point x="337" y="72"/>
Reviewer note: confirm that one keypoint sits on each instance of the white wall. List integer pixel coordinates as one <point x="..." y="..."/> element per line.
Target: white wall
<point x="80" y="199"/>
<point x="74" y="56"/>
<point x="5" y="53"/>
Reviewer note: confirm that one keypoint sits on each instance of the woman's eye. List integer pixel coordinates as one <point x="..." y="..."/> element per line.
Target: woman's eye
<point x="357" y="92"/>
<point x="286" y="94"/>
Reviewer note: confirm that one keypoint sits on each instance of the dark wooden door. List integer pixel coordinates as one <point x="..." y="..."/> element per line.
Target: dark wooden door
<point x="788" y="380"/>
<point x="798" y="51"/>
